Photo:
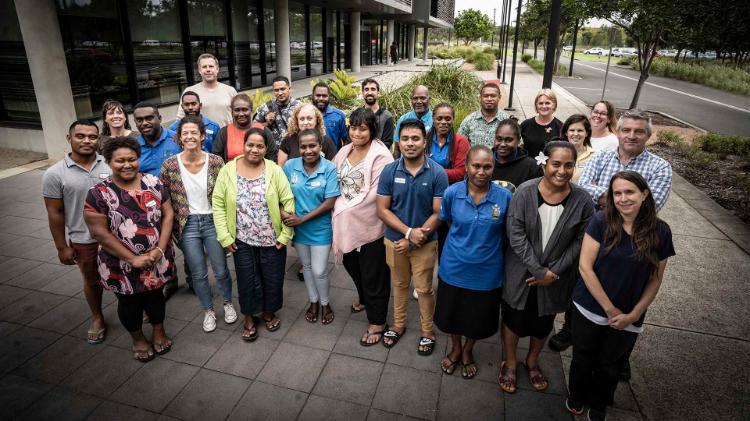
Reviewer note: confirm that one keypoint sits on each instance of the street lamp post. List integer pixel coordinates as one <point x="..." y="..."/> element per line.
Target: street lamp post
<point x="515" y="53"/>
<point x="500" y="41"/>
<point x="505" y="40"/>
<point x="552" y="34"/>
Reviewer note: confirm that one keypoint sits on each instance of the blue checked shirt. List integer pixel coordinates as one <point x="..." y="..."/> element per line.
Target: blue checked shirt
<point x="604" y="165"/>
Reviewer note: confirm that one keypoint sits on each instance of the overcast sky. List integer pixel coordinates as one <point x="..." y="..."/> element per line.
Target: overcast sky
<point x="486" y="6"/>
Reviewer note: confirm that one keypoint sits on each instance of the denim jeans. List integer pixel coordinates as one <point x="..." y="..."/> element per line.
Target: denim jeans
<point x="315" y="269"/>
<point x="198" y="235"/>
<point x="260" y="278"/>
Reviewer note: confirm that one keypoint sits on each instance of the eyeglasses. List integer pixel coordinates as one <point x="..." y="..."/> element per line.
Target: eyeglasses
<point x="599" y="113"/>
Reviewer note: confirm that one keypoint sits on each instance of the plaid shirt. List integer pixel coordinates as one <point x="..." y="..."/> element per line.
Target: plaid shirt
<point x="604" y="165"/>
<point x="479" y="131"/>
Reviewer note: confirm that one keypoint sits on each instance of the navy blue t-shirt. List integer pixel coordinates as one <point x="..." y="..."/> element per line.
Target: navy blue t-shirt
<point x="623" y="275"/>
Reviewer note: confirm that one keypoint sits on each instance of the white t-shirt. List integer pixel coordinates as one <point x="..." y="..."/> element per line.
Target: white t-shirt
<point x="216" y="102"/>
<point x="196" y="188"/>
<point x="608" y="142"/>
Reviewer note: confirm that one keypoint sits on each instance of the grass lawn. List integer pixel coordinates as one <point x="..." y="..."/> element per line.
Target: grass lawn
<point x="589" y="57"/>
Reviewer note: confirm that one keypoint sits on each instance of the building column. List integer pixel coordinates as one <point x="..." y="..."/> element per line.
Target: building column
<point x="391" y="38"/>
<point x="281" y="31"/>
<point x="412" y="41"/>
<point x="354" y="23"/>
<point x="49" y="72"/>
<point x="424" y="44"/>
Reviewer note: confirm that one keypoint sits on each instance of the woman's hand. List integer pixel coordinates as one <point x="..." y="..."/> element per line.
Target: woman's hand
<point x="143" y="261"/>
<point x="232" y="248"/>
<point x="291" y="219"/>
<point x="549" y="278"/>
<point x="621" y="321"/>
<point x="155" y="255"/>
<point x="279" y="246"/>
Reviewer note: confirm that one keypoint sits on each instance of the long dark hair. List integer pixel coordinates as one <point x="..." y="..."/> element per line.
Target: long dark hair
<point x="645" y="227"/>
<point x="432" y="132"/>
<point x="111" y="104"/>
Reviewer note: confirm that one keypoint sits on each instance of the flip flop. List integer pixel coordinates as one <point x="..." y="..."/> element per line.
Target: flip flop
<point x="273" y="324"/>
<point x="364" y="342"/>
<point x="252" y="333"/>
<point x="143" y="355"/>
<point x="451" y="367"/>
<point x="507" y="378"/>
<point x="327" y="314"/>
<point x="165" y="347"/>
<point x="465" y="373"/>
<point x="538" y="381"/>
<point x="96" y="336"/>
<point x="356" y="310"/>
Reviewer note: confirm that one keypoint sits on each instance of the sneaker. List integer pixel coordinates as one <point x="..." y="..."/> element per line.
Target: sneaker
<point x="560" y="341"/>
<point x="414" y="294"/>
<point x="230" y="315"/>
<point x="209" y="321"/>
<point x="594" y="415"/>
<point x="574" y="407"/>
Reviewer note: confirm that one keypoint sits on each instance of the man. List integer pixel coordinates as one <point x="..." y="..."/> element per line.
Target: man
<point x="420" y="103"/>
<point x="480" y="126"/>
<point x="275" y="114"/>
<point x="633" y="131"/>
<point x="371" y="93"/>
<point x="216" y="95"/>
<point x="335" y="119"/>
<point x="64" y="187"/>
<point x="157" y="143"/>
<point x="191" y="105"/>
<point x="410" y="192"/>
<point x="393" y="50"/>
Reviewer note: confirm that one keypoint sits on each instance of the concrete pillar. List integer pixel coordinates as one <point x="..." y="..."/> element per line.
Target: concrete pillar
<point x="424" y="44"/>
<point x="391" y="36"/>
<point x="355" y="20"/>
<point x="412" y="41"/>
<point x="281" y="31"/>
<point x="49" y="72"/>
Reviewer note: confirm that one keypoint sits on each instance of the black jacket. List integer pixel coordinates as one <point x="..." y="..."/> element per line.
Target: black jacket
<point x="515" y="172"/>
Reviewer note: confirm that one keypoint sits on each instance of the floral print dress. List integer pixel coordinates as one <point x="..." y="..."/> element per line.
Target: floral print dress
<point x="134" y="218"/>
<point x="254" y="226"/>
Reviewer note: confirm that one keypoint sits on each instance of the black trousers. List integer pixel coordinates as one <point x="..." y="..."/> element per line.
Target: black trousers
<point x="599" y="354"/>
<point x="130" y="309"/>
<point x="260" y="278"/>
<point x="372" y="277"/>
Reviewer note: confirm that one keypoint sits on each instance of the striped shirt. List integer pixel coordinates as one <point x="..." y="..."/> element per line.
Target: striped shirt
<point x="604" y="165"/>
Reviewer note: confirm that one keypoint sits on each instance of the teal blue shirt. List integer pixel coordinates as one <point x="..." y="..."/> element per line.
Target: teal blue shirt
<point x="310" y="191"/>
<point x="426" y="119"/>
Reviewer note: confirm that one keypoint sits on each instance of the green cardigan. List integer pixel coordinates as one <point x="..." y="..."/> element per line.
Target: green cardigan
<point x="224" y="202"/>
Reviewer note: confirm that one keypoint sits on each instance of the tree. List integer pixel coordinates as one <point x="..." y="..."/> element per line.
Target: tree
<point x="472" y="24"/>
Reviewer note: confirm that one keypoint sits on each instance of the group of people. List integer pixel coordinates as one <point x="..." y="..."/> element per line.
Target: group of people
<point x="525" y="220"/>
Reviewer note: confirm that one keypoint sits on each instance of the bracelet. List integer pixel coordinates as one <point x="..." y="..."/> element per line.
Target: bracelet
<point x="160" y="250"/>
<point x="407" y="234"/>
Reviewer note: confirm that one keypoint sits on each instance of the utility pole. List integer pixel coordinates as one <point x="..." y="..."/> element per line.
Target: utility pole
<point x="500" y="42"/>
<point x="573" y="51"/>
<point x="505" y="40"/>
<point x="552" y="34"/>
<point x="609" y="58"/>
<point x="494" y="25"/>
<point x="515" y="54"/>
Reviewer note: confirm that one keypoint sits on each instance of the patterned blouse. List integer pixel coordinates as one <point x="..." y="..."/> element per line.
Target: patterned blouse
<point x="352" y="179"/>
<point x="134" y="218"/>
<point x="254" y="226"/>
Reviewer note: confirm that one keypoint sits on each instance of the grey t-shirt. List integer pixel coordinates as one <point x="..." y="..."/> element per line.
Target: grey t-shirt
<point x="70" y="182"/>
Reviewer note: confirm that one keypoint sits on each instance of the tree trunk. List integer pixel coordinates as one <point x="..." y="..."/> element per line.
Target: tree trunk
<point x="677" y="56"/>
<point x="536" y="46"/>
<point x="637" y="93"/>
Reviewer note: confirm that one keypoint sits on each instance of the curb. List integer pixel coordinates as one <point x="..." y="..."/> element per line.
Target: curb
<point x="10" y="172"/>
<point x="691" y="125"/>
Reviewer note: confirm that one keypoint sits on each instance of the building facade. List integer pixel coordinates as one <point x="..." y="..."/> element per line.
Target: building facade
<point x="63" y="58"/>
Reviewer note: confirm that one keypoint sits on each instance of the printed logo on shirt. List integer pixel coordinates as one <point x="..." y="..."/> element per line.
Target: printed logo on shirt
<point x="315" y="184"/>
<point x="495" y="211"/>
<point x="399" y="180"/>
<point x="294" y="178"/>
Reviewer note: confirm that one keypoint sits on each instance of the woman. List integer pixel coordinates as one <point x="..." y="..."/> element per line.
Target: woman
<point x="247" y="201"/>
<point x="315" y="188"/>
<point x="130" y="216"/>
<point x="448" y="149"/>
<point x="115" y="123"/>
<point x="623" y="257"/>
<point x="189" y="177"/>
<point x="577" y="131"/>
<point x="304" y="117"/>
<point x="357" y="230"/>
<point x="230" y="141"/>
<point x="513" y="166"/>
<point x="546" y="221"/>
<point x="603" y="122"/>
<point x="470" y="273"/>
<point x="544" y="126"/>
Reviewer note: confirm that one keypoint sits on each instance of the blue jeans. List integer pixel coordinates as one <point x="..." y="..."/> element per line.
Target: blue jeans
<point x="260" y="278"/>
<point x="198" y="235"/>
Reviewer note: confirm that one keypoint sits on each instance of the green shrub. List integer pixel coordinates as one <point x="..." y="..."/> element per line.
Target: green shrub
<point x="484" y="61"/>
<point x="714" y="74"/>
<point x="626" y="61"/>
<point x="692" y="151"/>
<point x="343" y="93"/>
<point x="725" y="145"/>
<point x="668" y="137"/>
<point x="538" y="66"/>
<point x="526" y="57"/>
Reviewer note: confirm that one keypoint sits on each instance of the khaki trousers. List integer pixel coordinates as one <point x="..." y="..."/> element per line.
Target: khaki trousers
<point x="416" y="265"/>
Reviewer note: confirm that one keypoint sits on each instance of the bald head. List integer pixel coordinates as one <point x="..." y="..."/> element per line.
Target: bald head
<point x="420" y="100"/>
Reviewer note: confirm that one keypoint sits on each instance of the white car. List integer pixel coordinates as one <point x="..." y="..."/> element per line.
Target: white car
<point x="596" y="50"/>
<point x="568" y="48"/>
<point x="628" y="52"/>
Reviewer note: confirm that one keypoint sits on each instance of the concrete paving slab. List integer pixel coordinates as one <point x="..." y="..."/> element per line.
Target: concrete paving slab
<point x="11" y="267"/>
<point x="405" y="352"/>
<point x="40" y="276"/>
<point x="58" y="360"/>
<point x="350" y="379"/>
<point x="155" y="384"/>
<point x="61" y="404"/>
<point x="348" y="343"/>
<point x="9" y="294"/>
<point x="17" y="393"/>
<point x="266" y="402"/>
<point x="103" y="373"/>
<point x="532" y="405"/>
<point x="65" y="317"/>
<point x="194" y="346"/>
<point x="241" y="358"/>
<point x="469" y="400"/>
<point x="408" y="391"/>
<point x="320" y="408"/>
<point x="210" y="395"/>
<point x="380" y="415"/>
<point x="315" y="335"/>
<point x="23" y="344"/>
<point x="112" y="411"/>
<point x="294" y="367"/>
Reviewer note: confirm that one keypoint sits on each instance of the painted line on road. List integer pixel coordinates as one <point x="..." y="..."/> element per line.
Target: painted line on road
<point x="677" y="91"/>
<point x="588" y="89"/>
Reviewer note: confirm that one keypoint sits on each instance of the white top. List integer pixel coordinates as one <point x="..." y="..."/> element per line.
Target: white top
<point x="549" y="215"/>
<point x="608" y="142"/>
<point x="352" y="179"/>
<point x="602" y="321"/>
<point x="196" y="187"/>
<point x="216" y="102"/>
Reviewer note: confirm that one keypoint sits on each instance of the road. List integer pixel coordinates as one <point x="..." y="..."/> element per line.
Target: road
<point x="708" y="108"/>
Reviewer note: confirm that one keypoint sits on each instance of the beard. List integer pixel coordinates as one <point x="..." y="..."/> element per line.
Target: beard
<point x="370" y="100"/>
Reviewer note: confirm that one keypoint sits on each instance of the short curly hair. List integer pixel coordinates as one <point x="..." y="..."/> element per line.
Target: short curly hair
<point x="294" y="126"/>
<point x="198" y="121"/>
<point x="120" y="142"/>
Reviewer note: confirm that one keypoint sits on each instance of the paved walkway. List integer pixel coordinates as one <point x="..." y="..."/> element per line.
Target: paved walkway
<point x="690" y="363"/>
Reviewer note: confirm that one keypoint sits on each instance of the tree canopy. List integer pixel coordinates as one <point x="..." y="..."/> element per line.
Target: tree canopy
<point x="471" y="24"/>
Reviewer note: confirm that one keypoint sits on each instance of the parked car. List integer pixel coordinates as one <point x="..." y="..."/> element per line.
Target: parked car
<point x="628" y="52"/>
<point x="596" y="50"/>
<point x="568" y="48"/>
<point x="667" y="53"/>
<point x="615" y="52"/>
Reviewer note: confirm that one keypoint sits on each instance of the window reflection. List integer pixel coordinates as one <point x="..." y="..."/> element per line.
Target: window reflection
<point x="208" y="33"/>
<point x="17" y="98"/>
<point x="246" y="44"/>
<point x="297" y="38"/>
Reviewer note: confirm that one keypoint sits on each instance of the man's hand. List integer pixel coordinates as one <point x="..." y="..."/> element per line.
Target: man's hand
<point x="418" y="236"/>
<point x="270" y="118"/>
<point x="621" y="321"/>
<point x="67" y="255"/>
<point x="401" y="246"/>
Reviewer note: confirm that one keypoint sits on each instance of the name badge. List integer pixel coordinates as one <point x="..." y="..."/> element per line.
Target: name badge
<point x="209" y="131"/>
<point x="399" y="180"/>
<point x="151" y="204"/>
<point x="315" y="184"/>
<point x="495" y="212"/>
<point x="294" y="178"/>
<point x="103" y="175"/>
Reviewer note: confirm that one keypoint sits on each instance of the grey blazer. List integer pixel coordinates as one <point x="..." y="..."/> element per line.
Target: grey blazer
<point x="524" y="256"/>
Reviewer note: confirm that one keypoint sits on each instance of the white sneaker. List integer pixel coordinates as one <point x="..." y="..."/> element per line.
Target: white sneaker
<point x="230" y="315"/>
<point x="414" y="294"/>
<point x="209" y="321"/>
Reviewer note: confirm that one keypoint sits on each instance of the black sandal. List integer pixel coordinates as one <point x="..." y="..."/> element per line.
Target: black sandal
<point x="163" y="347"/>
<point x="327" y="314"/>
<point x="273" y="324"/>
<point x="357" y="310"/>
<point x="428" y="345"/>
<point x="465" y="373"/>
<point x="451" y="367"/>
<point x="311" y="315"/>
<point x="393" y="336"/>
<point x="364" y="342"/>
<point x="252" y="333"/>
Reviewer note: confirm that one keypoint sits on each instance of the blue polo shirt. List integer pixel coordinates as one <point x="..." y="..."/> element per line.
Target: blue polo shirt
<point x="473" y="253"/>
<point x="309" y="193"/>
<point x="153" y="156"/>
<point x="212" y="128"/>
<point x="335" y="121"/>
<point x="439" y="154"/>
<point x="411" y="196"/>
<point x="426" y="119"/>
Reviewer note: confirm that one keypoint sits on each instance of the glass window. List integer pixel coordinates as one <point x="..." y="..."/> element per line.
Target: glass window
<point x="94" y="52"/>
<point x="270" y="37"/>
<point x="297" y="40"/>
<point x="316" y="41"/>
<point x="157" y="49"/>
<point x="208" y="33"/>
<point x="17" y="98"/>
<point x="246" y="43"/>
